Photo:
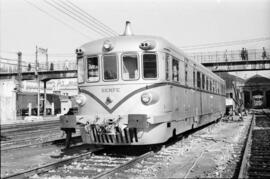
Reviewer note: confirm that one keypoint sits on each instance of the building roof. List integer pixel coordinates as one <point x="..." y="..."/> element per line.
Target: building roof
<point x="257" y="79"/>
<point x="229" y="79"/>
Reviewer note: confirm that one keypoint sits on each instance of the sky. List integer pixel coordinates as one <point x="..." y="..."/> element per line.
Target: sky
<point x="185" y="23"/>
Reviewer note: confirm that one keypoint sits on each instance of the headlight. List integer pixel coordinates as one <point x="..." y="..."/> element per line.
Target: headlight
<point x="80" y="99"/>
<point x="146" y="98"/>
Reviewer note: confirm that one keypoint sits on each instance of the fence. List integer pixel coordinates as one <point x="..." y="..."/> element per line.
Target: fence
<point x="229" y="56"/>
<point x="11" y="66"/>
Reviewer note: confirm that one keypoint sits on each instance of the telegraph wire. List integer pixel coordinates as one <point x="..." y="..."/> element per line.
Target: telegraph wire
<point x="76" y="19"/>
<point x="57" y="19"/>
<point x="93" y="18"/>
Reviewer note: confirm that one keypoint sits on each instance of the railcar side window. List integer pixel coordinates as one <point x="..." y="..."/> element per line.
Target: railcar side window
<point x="194" y="79"/>
<point x="110" y="67"/>
<point x="186" y="71"/>
<point x="207" y="83"/>
<point x="210" y="85"/>
<point x="203" y="81"/>
<point x="214" y="82"/>
<point x="175" y="70"/>
<point x="92" y="69"/>
<point x="167" y="61"/>
<point x="198" y="79"/>
<point x="130" y="67"/>
<point x="149" y="66"/>
<point x="80" y="70"/>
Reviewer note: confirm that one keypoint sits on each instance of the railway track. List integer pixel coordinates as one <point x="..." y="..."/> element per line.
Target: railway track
<point x="32" y="134"/>
<point x="26" y="126"/>
<point x="93" y="164"/>
<point x="59" y="141"/>
<point x="32" y="139"/>
<point x="114" y="165"/>
<point x="256" y="159"/>
<point x="18" y="131"/>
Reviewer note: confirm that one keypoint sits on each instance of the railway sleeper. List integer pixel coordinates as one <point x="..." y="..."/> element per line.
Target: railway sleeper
<point x="261" y="166"/>
<point x="259" y="171"/>
<point x="62" y="174"/>
<point x="261" y="153"/>
<point x="259" y="158"/>
<point x="255" y="175"/>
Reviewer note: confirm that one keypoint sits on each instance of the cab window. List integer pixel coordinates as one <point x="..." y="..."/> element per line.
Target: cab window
<point x="110" y="67"/>
<point x="149" y="66"/>
<point x="130" y="67"/>
<point x="93" y="69"/>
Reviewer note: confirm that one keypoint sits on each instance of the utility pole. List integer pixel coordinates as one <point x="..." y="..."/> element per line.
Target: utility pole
<point x="45" y="84"/>
<point x="45" y="97"/>
<point x="47" y="61"/>
<point x="38" y="82"/>
<point x="19" y="70"/>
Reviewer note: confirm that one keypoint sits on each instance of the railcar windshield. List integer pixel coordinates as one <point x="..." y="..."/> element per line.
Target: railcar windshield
<point x="149" y="66"/>
<point x="80" y="70"/>
<point x="110" y="67"/>
<point x="130" y="67"/>
<point x="92" y="69"/>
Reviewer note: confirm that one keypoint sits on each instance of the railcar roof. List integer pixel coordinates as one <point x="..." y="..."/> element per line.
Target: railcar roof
<point x="131" y="43"/>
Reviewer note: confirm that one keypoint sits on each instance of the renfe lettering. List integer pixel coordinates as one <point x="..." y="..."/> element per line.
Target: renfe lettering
<point x="110" y="90"/>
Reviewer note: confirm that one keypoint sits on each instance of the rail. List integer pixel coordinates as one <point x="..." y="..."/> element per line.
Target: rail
<point x="244" y="159"/>
<point x="46" y="168"/>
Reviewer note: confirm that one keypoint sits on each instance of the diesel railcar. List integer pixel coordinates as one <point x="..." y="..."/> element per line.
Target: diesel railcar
<point x="141" y="90"/>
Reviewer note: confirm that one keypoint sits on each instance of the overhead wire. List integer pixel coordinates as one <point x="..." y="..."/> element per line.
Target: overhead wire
<point x="71" y="10"/>
<point x="74" y="17"/>
<point x="57" y="19"/>
<point x="86" y="16"/>
<point x="93" y="18"/>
